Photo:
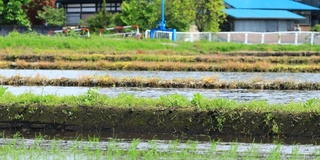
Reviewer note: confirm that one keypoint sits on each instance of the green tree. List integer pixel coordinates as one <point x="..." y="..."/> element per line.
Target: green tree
<point x="1" y="10"/>
<point x="34" y="6"/>
<point x="100" y="20"/>
<point x="179" y="14"/>
<point x="1" y="6"/>
<point x="52" y="16"/>
<point x="209" y="15"/>
<point x="316" y="28"/>
<point x="116" y="20"/>
<point x="143" y="13"/>
<point x="14" y="14"/>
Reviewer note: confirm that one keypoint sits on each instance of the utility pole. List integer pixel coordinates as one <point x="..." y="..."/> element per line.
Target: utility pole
<point x="161" y="26"/>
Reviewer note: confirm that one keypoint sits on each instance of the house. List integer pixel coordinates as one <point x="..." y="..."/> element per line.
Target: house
<point x="315" y="16"/>
<point x="243" y="15"/>
<point x="77" y="10"/>
<point x="267" y="16"/>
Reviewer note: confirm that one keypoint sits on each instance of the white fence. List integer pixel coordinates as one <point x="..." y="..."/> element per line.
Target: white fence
<point x="160" y="34"/>
<point x="245" y="37"/>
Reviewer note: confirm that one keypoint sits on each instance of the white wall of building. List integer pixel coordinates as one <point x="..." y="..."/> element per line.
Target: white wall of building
<point x="263" y="25"/>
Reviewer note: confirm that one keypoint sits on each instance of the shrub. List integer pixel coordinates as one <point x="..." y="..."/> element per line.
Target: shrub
<point x="52" y="16"/>
<point x="316" y="28"/>
<point x="100" y="20"/>
<point x="34" y="6"/>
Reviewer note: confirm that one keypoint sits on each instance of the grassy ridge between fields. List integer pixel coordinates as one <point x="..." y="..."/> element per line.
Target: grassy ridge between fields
<point x="32" y="51"/>
<point x="38" y="43"/>
<point x="143" y="56"/>
<point x="173" y="114"/>
<point x="162" y="66"/>
<point x="212" y="82"/>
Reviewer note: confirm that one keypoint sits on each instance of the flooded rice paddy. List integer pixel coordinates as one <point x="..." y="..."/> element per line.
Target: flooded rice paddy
<point x="202" y="147"/>
<point x="224" y="76"/>
<point x="65" y="149"/>
<point x="271" y="96"/>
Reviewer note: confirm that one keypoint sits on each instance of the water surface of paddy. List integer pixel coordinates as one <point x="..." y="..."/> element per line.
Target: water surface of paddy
<point x="67" y="149"/>
<point x="225" y="76"/>
<point x="272" y="96"/>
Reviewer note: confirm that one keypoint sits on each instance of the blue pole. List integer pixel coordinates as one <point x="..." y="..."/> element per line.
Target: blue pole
<point x="162" y="11"/>
<point x="162" y="23"/>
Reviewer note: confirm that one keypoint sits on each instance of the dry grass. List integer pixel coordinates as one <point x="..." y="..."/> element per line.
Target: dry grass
<point x="205" y="82"/>
<point x="163" y="66"/>
<point x="141" y="55"/>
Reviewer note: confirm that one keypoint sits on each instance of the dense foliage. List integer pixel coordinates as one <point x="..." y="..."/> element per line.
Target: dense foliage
<point x="117" y="21"/>
<point x="25" y="13"/>
<point x="179" y="14"/>
<point x="52" y="16"/>
<point x="100" y="20"/>
<point x="145" y="14"/>
<point x="209" y="15"/>
<point x="316" y="28"/>
<point x="1" y="7"/>
<point x="36" y="6"/>
<point x="14" y="14"/>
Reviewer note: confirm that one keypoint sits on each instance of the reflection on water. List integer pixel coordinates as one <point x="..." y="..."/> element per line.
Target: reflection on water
<point x="272" y="96"/>
<point x="225" y="76"/>
<point x="44" y="90"/>
<point x="66" y="149"/>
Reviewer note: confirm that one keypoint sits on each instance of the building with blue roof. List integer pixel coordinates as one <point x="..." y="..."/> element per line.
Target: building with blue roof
<point x="269" y="16"/>
<point x="269" y="4"/>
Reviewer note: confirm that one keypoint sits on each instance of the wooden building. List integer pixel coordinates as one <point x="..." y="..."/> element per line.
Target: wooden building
<point x="83" y="9"/>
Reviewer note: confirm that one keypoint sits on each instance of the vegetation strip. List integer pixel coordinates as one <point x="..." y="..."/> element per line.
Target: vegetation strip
<point x="159" y="56"/>
<point x="163" y="66"/>
<point x="32" y="42"/>
<point x="205" y="83"/>
<point x="170" y="114"/>
<point x="47" y="52"/>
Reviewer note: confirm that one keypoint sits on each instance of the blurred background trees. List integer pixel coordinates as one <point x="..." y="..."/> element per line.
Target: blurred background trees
<point x="206" y="15"/>
<point x="26" y="13"/>
<point x="35" y="6"/>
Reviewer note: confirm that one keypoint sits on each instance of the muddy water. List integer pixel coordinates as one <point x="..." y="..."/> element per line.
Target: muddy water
<point x="226" y="76"/>
<point x="272" y="96"/>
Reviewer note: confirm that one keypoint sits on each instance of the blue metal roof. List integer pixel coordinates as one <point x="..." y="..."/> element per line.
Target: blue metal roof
<point x="261" y="14"/>
<point x="269" y="4"/>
